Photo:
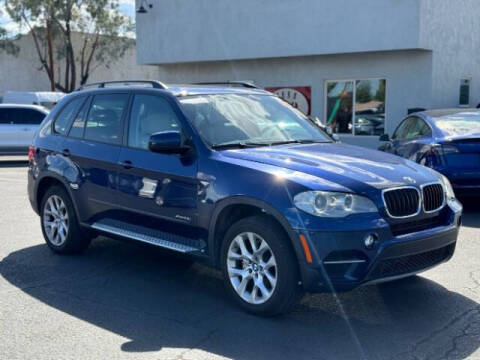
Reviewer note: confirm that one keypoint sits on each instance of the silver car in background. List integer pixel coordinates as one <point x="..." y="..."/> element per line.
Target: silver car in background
<point x="18" y="123"/>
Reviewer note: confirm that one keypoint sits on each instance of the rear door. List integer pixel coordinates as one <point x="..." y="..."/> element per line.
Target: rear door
<point x="155" y="186"/>
<point x="8" y="130"/>
<point x="93" y="147"/>
<point x="29" y="121"/>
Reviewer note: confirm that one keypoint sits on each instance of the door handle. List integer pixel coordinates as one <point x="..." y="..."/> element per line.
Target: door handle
<point x="66" y="152"/>
<point x="127" y="164"/>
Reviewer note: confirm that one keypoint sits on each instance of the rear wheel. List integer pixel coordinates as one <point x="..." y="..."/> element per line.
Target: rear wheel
<point x="259" y="266"/>
<point x="59" y="223"/>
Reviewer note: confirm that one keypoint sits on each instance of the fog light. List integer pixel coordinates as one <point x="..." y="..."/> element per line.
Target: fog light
<point x="370" y="241"/>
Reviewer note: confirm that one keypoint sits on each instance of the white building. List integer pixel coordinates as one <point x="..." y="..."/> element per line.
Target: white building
<point x="25" y="73"/>
<point x="358" y="63"/>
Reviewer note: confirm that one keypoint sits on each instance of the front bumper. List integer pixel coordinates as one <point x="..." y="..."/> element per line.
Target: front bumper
<point x="342" y="261"/>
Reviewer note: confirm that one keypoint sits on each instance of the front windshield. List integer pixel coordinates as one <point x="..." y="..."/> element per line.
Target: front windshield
<point x="459" y="124"/>
<point x="248" y="119"/>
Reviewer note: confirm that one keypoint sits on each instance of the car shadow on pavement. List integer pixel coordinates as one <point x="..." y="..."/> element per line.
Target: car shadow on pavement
<point x="471" y="212"/>
<point x="12" y="164"/>
<point x="147" y="296"/>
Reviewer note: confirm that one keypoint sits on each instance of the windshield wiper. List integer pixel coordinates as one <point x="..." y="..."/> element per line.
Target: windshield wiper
<point x="249" y="144"/>
<point x="238" y="144"/>
<point x="304" y="141"/>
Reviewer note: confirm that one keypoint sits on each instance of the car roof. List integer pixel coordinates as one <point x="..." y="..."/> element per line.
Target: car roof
<point x="448" y="112"/>
<point x="24" y="106"/>
<point x="190" y="90"/>
<point x="433" y="116"/>
<point x="180" y="90"/>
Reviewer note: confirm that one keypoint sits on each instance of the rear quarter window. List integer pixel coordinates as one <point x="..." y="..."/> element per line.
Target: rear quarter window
<point x="66" y="116"/>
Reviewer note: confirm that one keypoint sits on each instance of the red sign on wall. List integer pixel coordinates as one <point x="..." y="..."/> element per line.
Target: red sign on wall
<point x="299" y="97"/>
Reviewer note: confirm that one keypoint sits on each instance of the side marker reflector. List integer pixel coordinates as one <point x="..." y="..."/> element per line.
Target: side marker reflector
<point x="306" y="249"/>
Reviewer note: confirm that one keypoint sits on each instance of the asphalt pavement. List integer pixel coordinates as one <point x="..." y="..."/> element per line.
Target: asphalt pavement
<point x="123" y="300"/>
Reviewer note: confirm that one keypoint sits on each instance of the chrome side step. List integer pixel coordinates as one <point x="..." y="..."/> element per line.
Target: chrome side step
<point x="184" y="245"/>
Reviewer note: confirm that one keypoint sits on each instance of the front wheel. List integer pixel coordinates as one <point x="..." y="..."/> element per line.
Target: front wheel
<point x="259" y="266"/>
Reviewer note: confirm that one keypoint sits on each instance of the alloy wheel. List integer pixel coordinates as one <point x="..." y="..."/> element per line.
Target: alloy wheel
<point x="252" y="268"/>
<point x="55" y="220"/>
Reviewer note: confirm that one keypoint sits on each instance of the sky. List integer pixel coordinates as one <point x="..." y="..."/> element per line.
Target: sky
<point x="126" y="7"/>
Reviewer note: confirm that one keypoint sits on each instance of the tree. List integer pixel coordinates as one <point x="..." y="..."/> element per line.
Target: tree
<point x="364" y="92"/>
<point x="80" y="35"/>
<point x="380" y="95"/>
<point x="7" y="42"/>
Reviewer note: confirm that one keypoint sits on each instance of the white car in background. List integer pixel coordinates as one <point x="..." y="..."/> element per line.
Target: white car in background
<point x="47" y="99"/>
<point x="18" y="124"/>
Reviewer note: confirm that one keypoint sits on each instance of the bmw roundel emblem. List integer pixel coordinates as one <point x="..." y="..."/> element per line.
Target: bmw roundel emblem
<point x="409" y="180"/>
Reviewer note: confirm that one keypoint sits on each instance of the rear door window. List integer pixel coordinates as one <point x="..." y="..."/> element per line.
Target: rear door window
<point x="104" y="121"/>
<point x="32" y="117"/>
<point x="65" y="118"/>
<point x="15" y="116"/>
<point x="4" y="116"/>
<point x="418" y="128"/>
<point x="402" y="130"/>
<point x="424" y="130"/>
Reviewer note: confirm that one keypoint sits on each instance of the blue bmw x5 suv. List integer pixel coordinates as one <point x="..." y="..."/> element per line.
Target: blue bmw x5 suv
<point x="232" y="175"/>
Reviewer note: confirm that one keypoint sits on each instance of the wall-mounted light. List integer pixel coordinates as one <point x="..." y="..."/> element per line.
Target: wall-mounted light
<point x="142" y="9"/>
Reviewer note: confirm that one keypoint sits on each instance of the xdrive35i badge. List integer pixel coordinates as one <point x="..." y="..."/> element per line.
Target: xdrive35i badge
<point x="180" y="217"/>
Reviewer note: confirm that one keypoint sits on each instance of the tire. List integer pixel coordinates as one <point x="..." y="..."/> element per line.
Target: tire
<point x="68" y="238"/>
<point x="281" y="290"/>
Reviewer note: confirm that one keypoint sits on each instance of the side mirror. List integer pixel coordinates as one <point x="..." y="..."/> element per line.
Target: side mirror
<point x="384" y="137"/>
<point x="167" y="142"/>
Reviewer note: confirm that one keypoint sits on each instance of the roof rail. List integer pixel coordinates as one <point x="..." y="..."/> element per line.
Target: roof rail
<point x="245" y="84"/>
<point x="155" y="84"/>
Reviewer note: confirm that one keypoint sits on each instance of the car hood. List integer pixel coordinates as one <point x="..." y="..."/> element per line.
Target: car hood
<point x="355" y="168"/>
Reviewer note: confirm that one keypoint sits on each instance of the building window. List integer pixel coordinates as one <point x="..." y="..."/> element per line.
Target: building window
<point x="464" y="92"/>
<point x="356" y="107"/>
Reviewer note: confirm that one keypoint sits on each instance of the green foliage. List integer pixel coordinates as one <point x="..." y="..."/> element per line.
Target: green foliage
<point x="380" y="94"/>
<point x="364" y="92"/>
<point x="84" y="34"/>
<point x="8" y="44"/>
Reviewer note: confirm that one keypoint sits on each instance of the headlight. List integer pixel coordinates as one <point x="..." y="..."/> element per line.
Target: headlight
<point x="449" y="193"/>
<point x="333" y="204"/>
<point x="448" y="187"/>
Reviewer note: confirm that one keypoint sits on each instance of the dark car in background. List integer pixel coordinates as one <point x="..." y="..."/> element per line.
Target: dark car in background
<point x="445" y="140"/>
<point x="241" y="180"/>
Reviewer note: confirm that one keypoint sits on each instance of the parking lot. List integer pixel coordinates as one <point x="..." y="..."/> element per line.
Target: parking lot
<point x="125" y="300"/>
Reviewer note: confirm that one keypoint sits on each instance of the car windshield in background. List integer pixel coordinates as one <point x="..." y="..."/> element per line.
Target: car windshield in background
<point x="459" y="124"/>
<point x="249" y="120"/>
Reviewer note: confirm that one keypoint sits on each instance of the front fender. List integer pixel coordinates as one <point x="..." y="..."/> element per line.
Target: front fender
<point x="266" y="208"/>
